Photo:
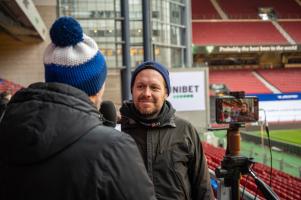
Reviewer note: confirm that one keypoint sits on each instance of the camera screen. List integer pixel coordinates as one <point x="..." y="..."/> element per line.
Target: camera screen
<point x="236" y="110"/>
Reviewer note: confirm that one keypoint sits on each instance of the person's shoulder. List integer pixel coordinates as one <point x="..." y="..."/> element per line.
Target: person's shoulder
<point x="182" y="122"/>
<point x="186" y="127"/>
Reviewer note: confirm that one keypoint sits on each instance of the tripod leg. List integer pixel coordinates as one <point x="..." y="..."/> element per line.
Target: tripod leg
<point x="233" y="148"/>
<point x="235" y="195"/>
<point x="223" y="192"/>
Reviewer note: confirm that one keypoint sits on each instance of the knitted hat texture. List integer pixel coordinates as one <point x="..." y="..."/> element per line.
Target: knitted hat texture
<point x="155" y="66"/>
<point x="73" y="58"/>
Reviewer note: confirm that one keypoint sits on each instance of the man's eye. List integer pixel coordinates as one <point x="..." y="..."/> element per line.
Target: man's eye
<point x="154" y="88"/>
<point x="140" y="86"/>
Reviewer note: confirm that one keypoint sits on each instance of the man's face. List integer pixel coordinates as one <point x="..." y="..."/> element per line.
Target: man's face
<point x="149" y="92"/>
<point x="244" y="108"/>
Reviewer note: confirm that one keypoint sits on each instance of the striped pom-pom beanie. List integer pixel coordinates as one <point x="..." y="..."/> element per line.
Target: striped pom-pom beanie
<point x="73" y="58"/>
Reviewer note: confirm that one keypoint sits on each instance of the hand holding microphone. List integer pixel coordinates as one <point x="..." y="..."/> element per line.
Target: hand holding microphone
<point x="108" y="111"/>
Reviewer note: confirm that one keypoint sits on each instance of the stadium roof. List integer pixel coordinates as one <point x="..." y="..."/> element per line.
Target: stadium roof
<point x="21" y="20"/>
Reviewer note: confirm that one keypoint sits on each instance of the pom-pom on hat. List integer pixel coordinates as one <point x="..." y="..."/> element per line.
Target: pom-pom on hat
<point x="155" y="66"/>
<point x="73" y="58"/>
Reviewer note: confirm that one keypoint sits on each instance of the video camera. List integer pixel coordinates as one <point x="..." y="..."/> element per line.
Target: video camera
<point x="230" y="109"/>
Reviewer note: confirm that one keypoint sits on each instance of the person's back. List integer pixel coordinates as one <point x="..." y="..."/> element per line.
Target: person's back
<point x="53" y="144"/>
<point x="61" y="159"/>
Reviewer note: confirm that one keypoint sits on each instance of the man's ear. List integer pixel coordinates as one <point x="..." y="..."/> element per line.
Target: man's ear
<point x="165" y="95"/>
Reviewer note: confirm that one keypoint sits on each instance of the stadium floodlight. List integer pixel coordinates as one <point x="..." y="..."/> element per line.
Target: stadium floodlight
<point x="267" y="13"/>
<point x="264" y="16"/>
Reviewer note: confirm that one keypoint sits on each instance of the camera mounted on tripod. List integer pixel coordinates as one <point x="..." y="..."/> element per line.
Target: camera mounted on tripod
<point x="232" y="167"/>
<point x="236" y="110"/>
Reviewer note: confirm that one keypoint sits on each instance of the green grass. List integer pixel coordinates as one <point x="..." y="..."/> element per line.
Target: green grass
<point x="292" y="136"/>
<point x="291" y="163"/>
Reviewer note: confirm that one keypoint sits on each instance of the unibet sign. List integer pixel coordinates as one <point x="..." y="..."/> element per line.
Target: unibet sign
<point x="184" y="91"/>
<point x="187" y="90"/>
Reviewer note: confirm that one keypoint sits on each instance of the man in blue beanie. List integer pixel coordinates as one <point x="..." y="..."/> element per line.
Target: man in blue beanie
<point x="53" y="145"/>
<point x="170" y="146"/>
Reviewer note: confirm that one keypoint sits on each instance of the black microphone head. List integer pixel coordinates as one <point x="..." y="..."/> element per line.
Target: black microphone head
<point x="108" y="110"/>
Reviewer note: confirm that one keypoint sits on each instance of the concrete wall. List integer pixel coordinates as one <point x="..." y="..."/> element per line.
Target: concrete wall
<point x="22" y="62"/>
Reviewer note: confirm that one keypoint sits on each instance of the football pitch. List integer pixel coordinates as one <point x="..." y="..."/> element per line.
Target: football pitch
<point x="292" y="136"/>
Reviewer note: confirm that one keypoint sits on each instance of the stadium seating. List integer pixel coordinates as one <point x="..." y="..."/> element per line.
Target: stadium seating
<point x="6" y="85"/>
<point x="236" y="33"/>
<point x="285" y="186"/>
<point x="244" y="28"/>
<point x="285" y="79"/>
<point x="249" y="9"/>
<point x="203" y="9"/>
<point x="238" y="80"/>
<point x="293" y="29"/>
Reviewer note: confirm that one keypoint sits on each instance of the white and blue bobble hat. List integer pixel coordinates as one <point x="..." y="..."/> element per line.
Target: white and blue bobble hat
<point x="73" y="58"/>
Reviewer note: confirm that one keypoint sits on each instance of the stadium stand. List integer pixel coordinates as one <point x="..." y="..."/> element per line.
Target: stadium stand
<point x="240" y="9"/>
<point x="238" y="80"/>
<point x="236" y="33"/>
<point x="203" y="9"/>
<point x="6" y="85"/>
<point x="285" y="186"/>
<point x="293" y="29"/>
<point x="243" y="26"/>
<point x="285" y="79"/>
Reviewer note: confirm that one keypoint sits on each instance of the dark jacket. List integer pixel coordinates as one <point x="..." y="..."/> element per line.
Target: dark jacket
<point x="53" y="146"/>
<point x="3" y="103"/>
<point x="172" y="153"/>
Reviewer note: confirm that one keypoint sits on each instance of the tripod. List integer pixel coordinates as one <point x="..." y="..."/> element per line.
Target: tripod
<point x="233" y="166"/>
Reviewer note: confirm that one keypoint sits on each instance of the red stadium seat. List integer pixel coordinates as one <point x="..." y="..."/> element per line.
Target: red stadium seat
<point x="239" y="9"/>
<point x="203" y="9"/>
<point x="293" y="29"/>
<point x="238" y="80"/>
<point x="236" y="33"/>
<point x="285" y="186"/>
<point x="285" y="79"/>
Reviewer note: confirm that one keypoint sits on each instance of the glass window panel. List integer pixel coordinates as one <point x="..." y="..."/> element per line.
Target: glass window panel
<point x="168" y="56"/>
<point x="101" y="20"/>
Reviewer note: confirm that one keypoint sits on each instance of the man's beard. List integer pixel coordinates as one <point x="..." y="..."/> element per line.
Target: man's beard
<point x="149" y="115"/>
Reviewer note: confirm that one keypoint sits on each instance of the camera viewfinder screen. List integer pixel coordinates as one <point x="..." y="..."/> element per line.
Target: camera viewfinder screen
<point x="234" y="110"/>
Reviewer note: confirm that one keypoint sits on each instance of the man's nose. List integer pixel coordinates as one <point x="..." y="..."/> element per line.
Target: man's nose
<point x="147" y="91"/>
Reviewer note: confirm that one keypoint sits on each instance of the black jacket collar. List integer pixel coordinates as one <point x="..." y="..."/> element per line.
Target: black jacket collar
<point x="165" y="118"/>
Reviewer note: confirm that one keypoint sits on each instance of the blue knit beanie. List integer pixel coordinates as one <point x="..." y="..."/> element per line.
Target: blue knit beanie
<point x="152" y="65"/>
<point x="73" y="58"/>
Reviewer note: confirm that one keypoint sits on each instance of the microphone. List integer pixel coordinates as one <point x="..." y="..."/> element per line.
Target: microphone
<point x="108" y="110"/>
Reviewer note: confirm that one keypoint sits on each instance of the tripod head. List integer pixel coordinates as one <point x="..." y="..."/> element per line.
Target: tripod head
<point x="232" y="167"/>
